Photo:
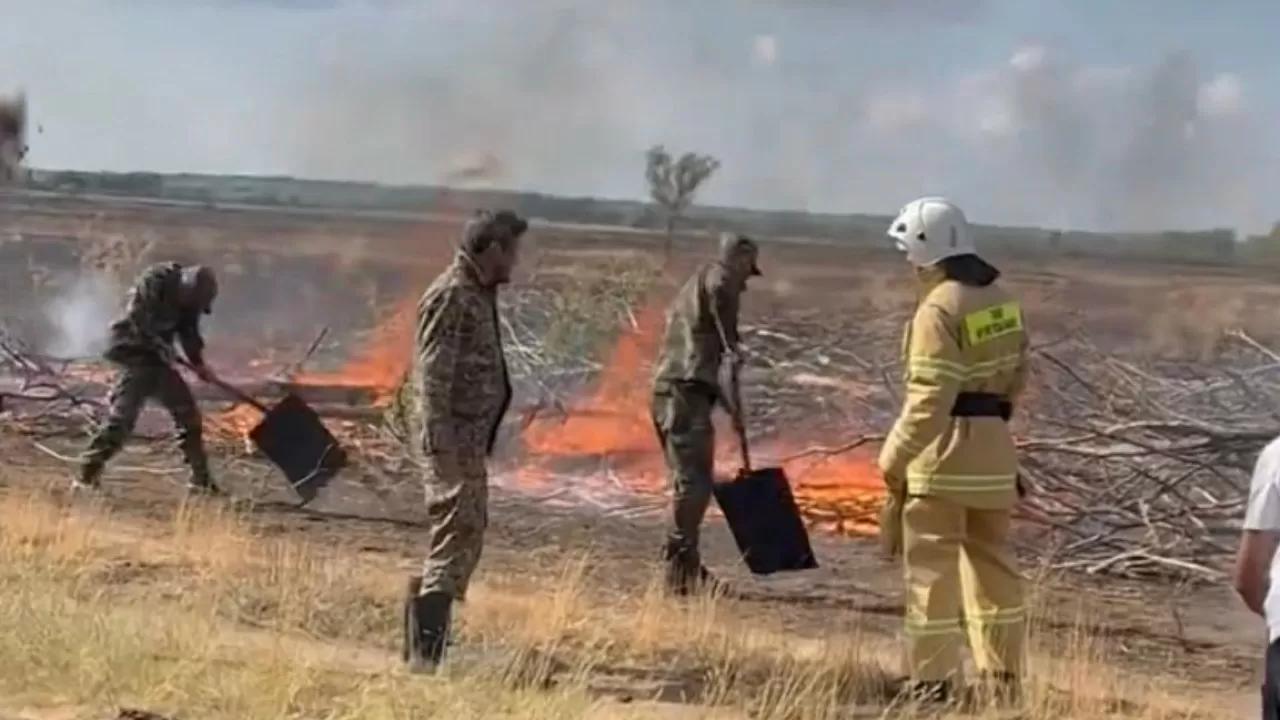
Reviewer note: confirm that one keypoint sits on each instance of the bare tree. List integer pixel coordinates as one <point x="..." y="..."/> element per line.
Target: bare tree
<point x="674" y="182"/>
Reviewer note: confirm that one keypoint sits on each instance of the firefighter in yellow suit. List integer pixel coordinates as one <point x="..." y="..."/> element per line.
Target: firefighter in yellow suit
<point x="949" y="462"/>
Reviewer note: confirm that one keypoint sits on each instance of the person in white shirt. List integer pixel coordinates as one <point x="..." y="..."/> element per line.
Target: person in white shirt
<point x="1257" y="563"/>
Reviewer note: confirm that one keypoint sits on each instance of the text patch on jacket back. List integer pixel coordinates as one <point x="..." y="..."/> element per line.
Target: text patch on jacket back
<point x="992" y="322"/>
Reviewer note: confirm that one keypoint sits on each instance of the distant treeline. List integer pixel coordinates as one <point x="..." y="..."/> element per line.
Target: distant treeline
<point x="1214" y="246"/>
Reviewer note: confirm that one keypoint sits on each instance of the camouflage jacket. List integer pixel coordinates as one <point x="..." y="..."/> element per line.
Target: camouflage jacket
<point x="154" y="317"/>
<point x="700" y="321"/>
<point x="461" y="389"/>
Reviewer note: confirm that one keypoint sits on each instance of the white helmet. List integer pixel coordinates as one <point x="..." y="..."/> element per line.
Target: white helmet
<point x="931" y="229"/>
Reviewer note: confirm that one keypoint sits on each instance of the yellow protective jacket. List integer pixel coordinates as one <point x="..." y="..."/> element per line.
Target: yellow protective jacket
<point x="962" y="338"/>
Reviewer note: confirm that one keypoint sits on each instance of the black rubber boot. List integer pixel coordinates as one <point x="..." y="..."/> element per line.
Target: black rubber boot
<point x="677" y="575"/>
<point x="200" y="481"/>
<point x="90" y="477"/>
<point x="204" y="486"/>
<point x="685" y="576"/>
<point x="407" y="649"/>
<point x="928" y="693"/>
<point x="426" y="631"/>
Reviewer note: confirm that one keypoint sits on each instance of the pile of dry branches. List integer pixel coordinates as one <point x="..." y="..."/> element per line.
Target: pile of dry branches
<point x="1146" y="469"/>
<point x="1137" y="468"/>
<point x="43" y="392"/>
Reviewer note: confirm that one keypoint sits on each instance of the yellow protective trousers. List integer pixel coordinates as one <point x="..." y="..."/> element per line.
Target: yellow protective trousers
<point x="961" y="579"/>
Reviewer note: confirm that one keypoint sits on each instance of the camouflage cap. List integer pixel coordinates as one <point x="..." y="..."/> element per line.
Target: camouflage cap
<point x="734" y="245"/>
<point x="200" y="285"/>
<point x="487" y="227"/>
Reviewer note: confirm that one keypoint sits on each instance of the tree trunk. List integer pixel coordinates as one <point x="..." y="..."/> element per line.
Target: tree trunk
<point x="668" y="242"/>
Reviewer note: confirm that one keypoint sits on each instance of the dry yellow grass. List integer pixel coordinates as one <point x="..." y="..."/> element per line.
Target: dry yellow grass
<point x="203" y="617"/>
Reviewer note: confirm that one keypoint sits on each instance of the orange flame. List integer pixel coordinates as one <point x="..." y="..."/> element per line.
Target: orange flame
<point x="237" y="422"/>
<point x="615" y="419"/>
<point x="837" y="492"/>
<point x="612" y="428"/>
<point x="383" y="361"/>
<point x="377" y="368"/>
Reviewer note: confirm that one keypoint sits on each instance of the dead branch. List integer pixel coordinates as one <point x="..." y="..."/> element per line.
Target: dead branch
<point x="829" y="450"/>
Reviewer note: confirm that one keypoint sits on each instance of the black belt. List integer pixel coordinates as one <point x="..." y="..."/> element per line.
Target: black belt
<point x="666" y="387"/>
<point x="979" y="404"/>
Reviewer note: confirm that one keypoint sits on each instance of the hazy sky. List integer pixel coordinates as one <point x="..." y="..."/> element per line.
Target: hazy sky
<point x="1081" y="113"/>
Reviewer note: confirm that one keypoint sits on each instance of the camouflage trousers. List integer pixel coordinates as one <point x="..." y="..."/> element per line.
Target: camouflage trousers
<point x="133" y="387"/>
<point x="682" y="420"/>
<point x="457" y="496"/>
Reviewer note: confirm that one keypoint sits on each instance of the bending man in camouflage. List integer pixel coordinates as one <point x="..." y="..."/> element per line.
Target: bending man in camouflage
<point x="462" y="392"/>
<point x="702" y="326"/>
<point x="166" y="301"/>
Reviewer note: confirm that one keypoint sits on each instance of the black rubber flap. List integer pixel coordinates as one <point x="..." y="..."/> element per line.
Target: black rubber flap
<point x="765" y="521"/>
<point x="293" y="437"/>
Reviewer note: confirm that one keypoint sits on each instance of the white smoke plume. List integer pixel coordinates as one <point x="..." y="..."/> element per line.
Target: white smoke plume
<point x="80" y="315"/>
<point x="1166" y="146"/>
<point x="809" y="104"/>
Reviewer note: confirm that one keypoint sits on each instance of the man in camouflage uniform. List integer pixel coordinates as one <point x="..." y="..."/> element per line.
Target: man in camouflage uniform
<point x="461" y="391"/>
<point x="166" y="302"/>
<point x="702" y="327"/>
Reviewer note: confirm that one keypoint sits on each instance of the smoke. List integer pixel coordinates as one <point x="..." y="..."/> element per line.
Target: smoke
<point x="80" y="316"/>
<point x="1162" y="146"/>
<point x="1165" y="146"/>
<point x="809" y="104"/>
